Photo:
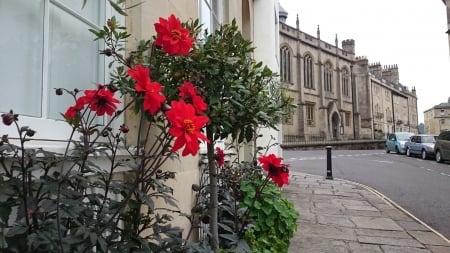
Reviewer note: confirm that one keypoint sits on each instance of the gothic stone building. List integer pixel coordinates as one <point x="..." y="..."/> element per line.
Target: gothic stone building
<point x="339" y="95"/>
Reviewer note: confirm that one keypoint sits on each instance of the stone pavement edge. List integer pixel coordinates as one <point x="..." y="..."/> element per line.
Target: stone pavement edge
<point x="339" y="216"/>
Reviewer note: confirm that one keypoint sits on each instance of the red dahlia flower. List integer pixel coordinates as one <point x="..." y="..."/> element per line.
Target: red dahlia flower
<point x="71" y="112"/>
<point x="141" y="75"/>
<point x="172" y="37"/>
<point x="199" y="105"/>
<point x="185" y="127"/>
<point x="74" y="109"/>
<point x="220" y="156"/>
<point x="101" y="101"/>
<point x="189" y="94"/>
<point x="187" y="91"/>
<point x="153" y="98"/>
<point x="278" y="172"/>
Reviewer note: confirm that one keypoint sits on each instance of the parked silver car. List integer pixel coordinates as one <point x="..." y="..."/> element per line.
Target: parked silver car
<point x="421" y="144"/>
<point x="396" y="142"/>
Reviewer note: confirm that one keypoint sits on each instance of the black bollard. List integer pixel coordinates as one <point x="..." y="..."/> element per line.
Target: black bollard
<point x="329" y="169"/>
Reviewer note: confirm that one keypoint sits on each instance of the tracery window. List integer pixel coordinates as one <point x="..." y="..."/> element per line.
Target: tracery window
<point x="308" y="72"/>
<point x="345" y="83"/>
<point x="285" y="64"/>
<point x="328" y="77"/>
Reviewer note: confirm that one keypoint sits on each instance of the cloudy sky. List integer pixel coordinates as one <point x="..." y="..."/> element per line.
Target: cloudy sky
<point x="409" y="33"/>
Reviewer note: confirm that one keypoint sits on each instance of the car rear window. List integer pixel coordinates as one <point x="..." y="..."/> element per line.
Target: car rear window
<point x="444" y="136"/>
<point x="428" y="139"/>
<point x="403" y="137"/>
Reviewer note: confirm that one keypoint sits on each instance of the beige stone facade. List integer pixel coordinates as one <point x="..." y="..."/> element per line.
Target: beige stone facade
<point x="257" y="21"/>
<point x="437" y="118"/>
<point x="339" y="95"/>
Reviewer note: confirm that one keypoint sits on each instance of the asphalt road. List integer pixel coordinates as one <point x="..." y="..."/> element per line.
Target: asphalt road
<point x="420" y="186"/>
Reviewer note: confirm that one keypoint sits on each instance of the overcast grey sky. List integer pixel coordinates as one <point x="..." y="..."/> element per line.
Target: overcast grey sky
<point x="409" y="33"/>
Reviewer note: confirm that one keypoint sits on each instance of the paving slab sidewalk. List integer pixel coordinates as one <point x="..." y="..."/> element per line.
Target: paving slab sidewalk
<point x="339" y="216"/>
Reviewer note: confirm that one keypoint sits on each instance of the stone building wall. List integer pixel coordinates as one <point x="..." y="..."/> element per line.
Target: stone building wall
<point x="374" y="100"/>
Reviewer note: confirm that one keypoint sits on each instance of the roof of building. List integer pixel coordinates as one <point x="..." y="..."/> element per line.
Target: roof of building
<point x="442" y="106"/>
<point x="282" y="10"/>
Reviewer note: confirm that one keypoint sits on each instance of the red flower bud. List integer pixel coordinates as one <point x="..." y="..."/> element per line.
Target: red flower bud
<point x="7" y="118"/>
<point x="124" y="129"/>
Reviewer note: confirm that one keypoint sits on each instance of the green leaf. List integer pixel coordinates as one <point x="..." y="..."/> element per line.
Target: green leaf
<point x="242" y="247"/>
<point x="117" y="8"/>
<point x="17" y="229"/>
<point x="257" y="205"/>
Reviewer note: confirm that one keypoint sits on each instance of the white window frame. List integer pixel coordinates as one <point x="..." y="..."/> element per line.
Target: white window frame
<point x="211" y="13"/>
<point x="53" y="134"/>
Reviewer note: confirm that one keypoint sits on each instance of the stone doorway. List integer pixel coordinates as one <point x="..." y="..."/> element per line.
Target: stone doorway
<point x="335" y="125"/>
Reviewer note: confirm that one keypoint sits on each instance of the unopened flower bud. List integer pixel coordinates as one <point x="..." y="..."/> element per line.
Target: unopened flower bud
<point x="59" y="91"/>
<point x="124" y="129"/>
<point x="196" y="187"/>
<point x="24" y="129"/>
<point x="30" y="132"/>
<point x="111" y="24"/>
<point x="108" y="52"/>
<point x="111" y="87"/>
<point x="7" y="118"/>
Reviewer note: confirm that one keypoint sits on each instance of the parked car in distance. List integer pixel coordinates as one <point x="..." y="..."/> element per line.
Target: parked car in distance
<point x="442" y="147"/>
<point x="421" y="144"/>
<point x="396" y="142"/>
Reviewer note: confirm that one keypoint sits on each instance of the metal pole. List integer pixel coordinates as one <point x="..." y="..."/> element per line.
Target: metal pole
<point x="329" y="168"/>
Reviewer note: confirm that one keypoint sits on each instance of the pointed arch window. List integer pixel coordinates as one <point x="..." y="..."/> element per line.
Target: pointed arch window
<point x="285" y="64"/>
<point x="345" y="83"/>
<point x="308" y="72"/>
<point x="328" y="77"/>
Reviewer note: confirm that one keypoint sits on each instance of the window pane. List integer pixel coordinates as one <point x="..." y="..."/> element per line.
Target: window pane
<point x="74" y="61"/>
<point x="90" y="11"/>
<point x="21" y="62"/>
<point x="205" y="15"/>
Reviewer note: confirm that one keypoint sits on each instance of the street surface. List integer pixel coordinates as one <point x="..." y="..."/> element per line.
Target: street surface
<point x="422" y="187"/>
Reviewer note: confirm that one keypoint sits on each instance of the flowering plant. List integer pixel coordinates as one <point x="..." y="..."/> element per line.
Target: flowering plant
<point x="67" y="202"/>
<point x="179" y="90"/>
<point x="254" y="216"/>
